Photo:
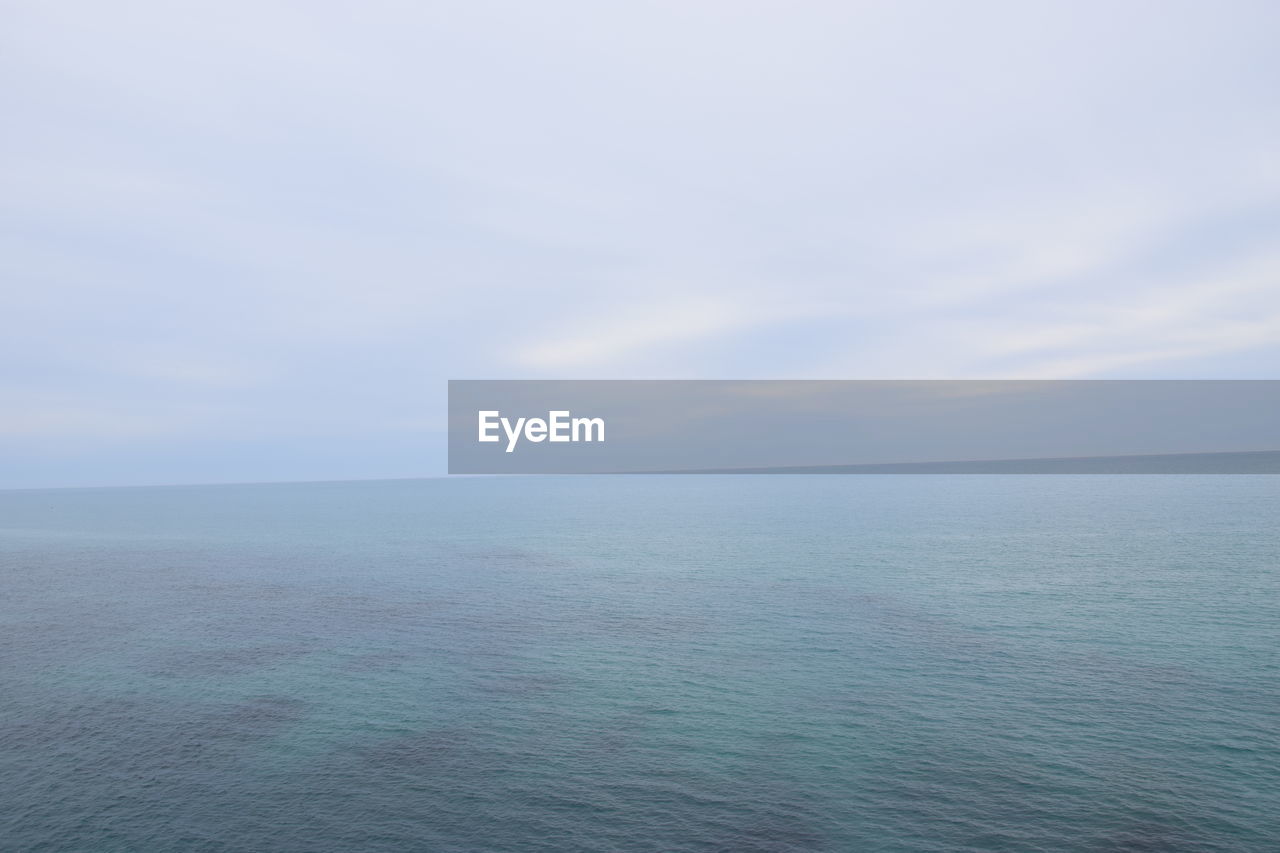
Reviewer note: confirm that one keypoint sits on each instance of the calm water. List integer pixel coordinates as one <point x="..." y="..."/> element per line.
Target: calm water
<point x="644" y="663"/>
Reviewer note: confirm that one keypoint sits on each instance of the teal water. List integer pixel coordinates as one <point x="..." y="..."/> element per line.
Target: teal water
<point x="1022" y="663"/>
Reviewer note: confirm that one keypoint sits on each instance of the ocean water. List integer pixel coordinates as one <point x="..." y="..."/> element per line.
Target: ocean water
<point x="924" y="663"/>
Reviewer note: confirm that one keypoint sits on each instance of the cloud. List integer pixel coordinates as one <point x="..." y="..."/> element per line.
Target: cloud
<point x="270" y="219"/>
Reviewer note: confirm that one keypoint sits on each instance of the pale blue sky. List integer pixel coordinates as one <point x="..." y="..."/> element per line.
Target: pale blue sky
<point x="251" y="241"/>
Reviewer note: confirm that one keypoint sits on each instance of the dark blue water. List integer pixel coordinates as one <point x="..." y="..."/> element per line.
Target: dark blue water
<point x="1075" y="663"/>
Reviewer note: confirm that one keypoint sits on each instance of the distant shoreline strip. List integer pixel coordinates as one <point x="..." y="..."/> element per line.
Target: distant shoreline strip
<point x="1235" y="462"/>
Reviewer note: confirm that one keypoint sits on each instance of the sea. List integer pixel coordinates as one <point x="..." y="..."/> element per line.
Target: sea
<point x="644" y="663"/>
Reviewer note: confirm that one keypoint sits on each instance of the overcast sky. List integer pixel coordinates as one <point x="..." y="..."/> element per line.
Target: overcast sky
<point x="251" y="240"/>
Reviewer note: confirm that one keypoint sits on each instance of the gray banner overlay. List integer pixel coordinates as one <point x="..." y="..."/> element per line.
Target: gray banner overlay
<point x="864" y="426"/>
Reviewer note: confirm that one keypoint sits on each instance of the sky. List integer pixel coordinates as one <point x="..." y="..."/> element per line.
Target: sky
<point x="251" y="241"/>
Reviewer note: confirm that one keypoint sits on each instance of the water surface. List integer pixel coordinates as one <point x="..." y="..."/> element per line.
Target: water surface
<point x="1073" y="663"/>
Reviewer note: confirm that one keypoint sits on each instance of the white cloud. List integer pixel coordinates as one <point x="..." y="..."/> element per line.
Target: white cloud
<point x="625" y="334"/>
<point x="298" y="212"/>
